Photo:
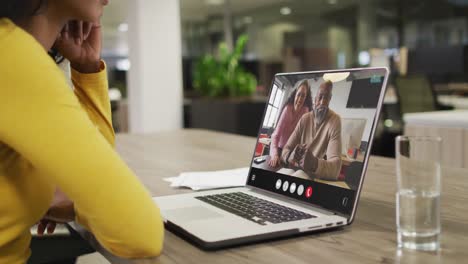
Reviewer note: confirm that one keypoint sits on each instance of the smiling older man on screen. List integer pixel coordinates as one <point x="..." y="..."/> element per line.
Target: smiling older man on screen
<point x="315" y="145"/>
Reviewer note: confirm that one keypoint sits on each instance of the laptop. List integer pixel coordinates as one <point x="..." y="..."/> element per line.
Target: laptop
<point x="313" y="187"/>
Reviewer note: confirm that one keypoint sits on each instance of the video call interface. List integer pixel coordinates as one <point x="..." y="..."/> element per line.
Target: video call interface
<point x="317" y="128"/>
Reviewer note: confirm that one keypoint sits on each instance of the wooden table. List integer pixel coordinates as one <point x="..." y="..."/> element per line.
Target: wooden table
<point x="371" y="239"/>
<point x="458" y="102"/>
<point x="459" y="88"/>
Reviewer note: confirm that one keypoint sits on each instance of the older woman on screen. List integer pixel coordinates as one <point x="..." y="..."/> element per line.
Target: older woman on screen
<point x="298" y="103"/>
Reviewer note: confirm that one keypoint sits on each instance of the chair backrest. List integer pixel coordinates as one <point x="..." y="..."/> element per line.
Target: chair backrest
<point x="415" y="94"/>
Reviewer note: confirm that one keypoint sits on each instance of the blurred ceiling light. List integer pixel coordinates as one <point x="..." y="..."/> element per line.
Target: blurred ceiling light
<point x="333" y="2"/>
<point x="123" y="27"/>
<point x="123" y="65"/>
<point x="364" y="58"/>
<point x="248" y="20"/>
<point x="285" y="11"/>
<point x="214" y="2"/>
<point x="336" y="76"/>
<point x="115" y="94"/>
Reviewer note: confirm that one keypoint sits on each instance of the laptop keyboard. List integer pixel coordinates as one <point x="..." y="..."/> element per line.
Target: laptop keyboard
<point x="254" y="209"/>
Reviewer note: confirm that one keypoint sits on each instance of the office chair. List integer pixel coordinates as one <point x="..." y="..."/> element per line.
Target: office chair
<point x="415" y="94"/>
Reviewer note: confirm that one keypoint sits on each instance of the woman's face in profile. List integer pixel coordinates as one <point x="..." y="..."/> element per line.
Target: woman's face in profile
<point x="84" y="10"/>
<point x="300" y="97"/>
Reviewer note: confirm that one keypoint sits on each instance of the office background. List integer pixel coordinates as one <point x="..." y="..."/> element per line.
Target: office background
<point x="152" y="49"/>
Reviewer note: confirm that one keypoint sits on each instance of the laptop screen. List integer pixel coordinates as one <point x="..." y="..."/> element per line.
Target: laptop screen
<point x="315" y="135"/>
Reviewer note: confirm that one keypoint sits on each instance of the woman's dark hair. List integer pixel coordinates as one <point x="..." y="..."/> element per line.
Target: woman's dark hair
<point x="20" y="9"/>
<point x="16" y="10"/>
<point x="308" y="100"/>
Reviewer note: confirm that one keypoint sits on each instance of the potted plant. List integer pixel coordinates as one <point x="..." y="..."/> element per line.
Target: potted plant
<point x="224" y="76"/>
<point x="226" y="89"/>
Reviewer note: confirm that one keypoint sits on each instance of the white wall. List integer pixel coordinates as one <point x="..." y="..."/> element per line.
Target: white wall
<point x="155" y="76"/>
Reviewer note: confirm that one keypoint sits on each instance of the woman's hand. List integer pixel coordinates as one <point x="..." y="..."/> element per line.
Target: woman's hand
<point x="61" y="211"/>
<point x="46" y="225"/>
<point x="274" y="161"/>
<point x="80" y="42"/>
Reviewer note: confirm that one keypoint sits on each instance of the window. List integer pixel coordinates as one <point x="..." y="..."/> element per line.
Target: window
<point x="274" y="105"/>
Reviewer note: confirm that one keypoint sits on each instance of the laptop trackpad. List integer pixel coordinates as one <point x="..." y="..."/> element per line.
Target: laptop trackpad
<point x="193" y="213"/>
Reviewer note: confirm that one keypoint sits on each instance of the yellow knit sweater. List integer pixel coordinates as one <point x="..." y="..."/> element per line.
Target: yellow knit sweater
<point x="51" y="136"/>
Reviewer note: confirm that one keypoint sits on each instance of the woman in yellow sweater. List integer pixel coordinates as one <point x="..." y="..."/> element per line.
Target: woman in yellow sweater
<point x="52" y="137"/>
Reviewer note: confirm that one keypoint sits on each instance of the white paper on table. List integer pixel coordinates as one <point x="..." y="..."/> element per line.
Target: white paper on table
<point x="203" y="180"/>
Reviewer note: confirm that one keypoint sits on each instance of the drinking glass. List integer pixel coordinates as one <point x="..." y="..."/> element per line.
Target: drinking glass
<point x="418" y="192"/>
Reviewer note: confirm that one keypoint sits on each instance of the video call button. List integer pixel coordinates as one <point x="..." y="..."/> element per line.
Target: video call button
<point x="300" y="190"/>
<point x="308" y="193"/>
<point x="285" y="186"/>
<point x="292" y="189"/>
<point x="278" y="184"/>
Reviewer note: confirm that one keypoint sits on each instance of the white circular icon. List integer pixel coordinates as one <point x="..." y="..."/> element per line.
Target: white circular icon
<point x="300" y="190"/>
<point x="292" y="189"/>
<point x="285" y="185"/>
<point x="278" y="184"/>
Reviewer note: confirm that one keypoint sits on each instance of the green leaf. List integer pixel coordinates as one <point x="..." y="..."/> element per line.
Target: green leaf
<point x="224" y="76"/>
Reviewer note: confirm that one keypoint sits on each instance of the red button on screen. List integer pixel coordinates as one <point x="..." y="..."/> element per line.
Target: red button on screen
<point x="308" y="192"/>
